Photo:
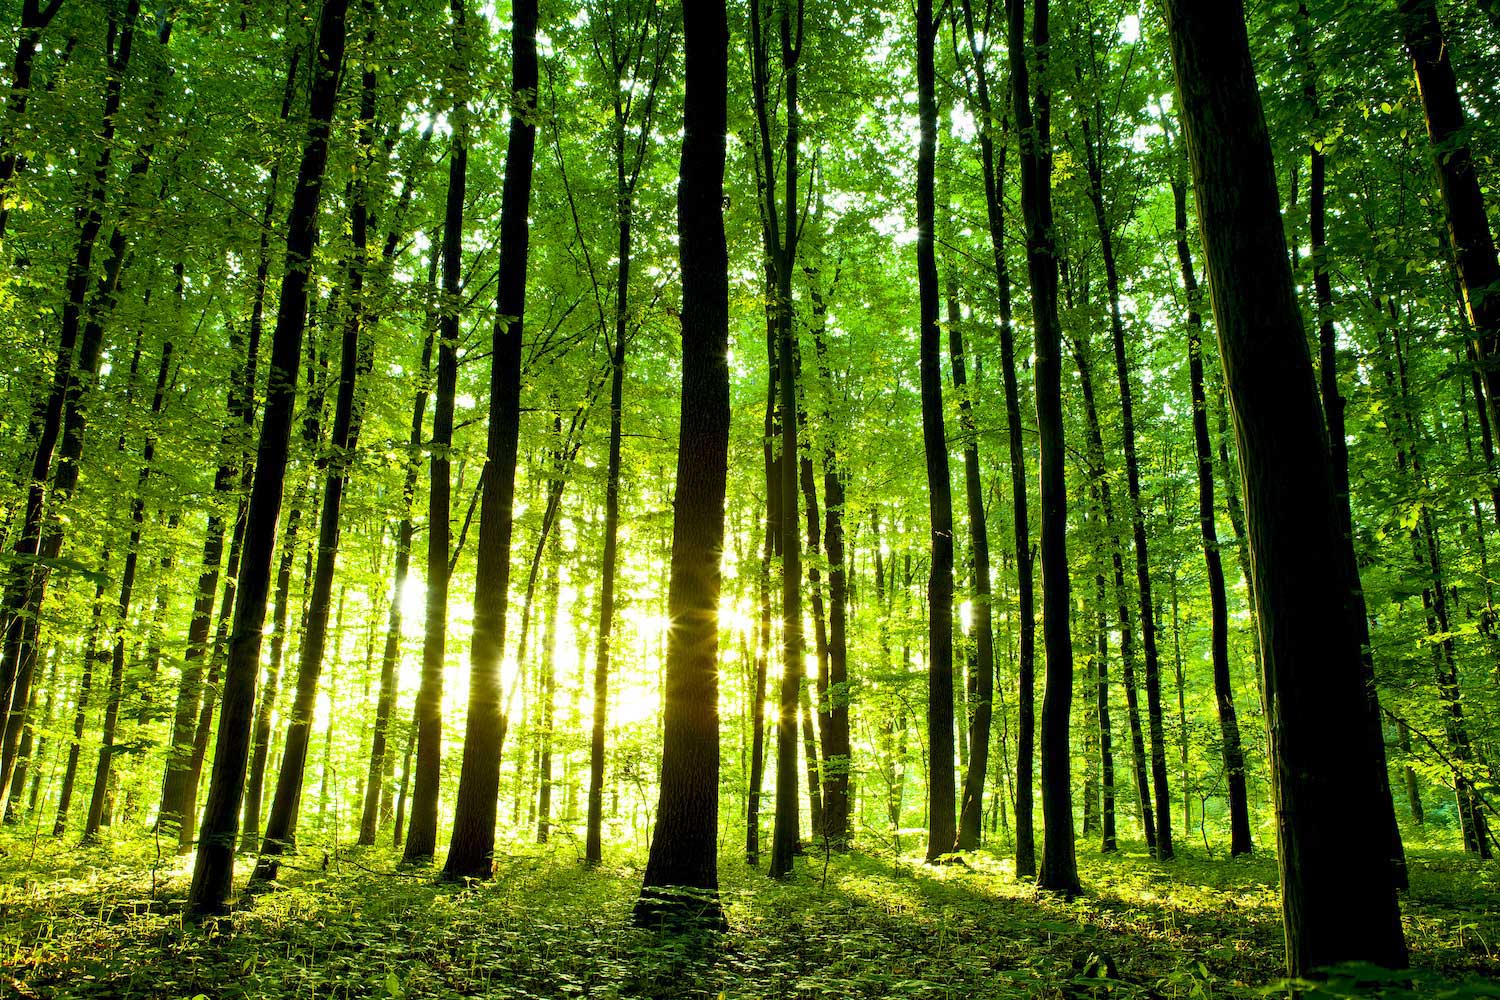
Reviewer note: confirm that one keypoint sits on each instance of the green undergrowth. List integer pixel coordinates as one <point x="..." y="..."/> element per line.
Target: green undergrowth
<point x="107" y="922"/>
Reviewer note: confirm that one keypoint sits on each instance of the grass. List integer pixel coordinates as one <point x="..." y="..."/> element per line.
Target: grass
<point x="107" y="922"/>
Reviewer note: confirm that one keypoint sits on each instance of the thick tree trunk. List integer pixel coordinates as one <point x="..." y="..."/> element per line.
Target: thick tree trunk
<point x="213" y="871"/>
<point x="354" y="363"/>
<point x="1059" y="868"/>
<point x="942" y="823"/>
<point x="681" y="883"/>
<point x="1338" y="898"/>
<point x="992" y="161"/>
<point x="472" y="846"/>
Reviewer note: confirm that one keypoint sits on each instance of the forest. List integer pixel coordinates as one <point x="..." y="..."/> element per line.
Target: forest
<point x="749" y="498"/>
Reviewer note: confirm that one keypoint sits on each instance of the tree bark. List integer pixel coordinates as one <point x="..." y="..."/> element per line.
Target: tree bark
<point x="1152" y="659"/>
<point x="1218" y="602"/>
<point x="472" y="846"/>
<point x="684" y="845"/>
<point x="1338" y="898"/>
<point x="942" y="823"/>
<point x="213" y="871"/>
<point x="354" y="363"/>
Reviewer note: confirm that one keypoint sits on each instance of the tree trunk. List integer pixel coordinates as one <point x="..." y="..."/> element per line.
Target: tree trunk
<point x="993" y="166"/>
<point x="838" y="828"/>
<point x="1338" y="899"/>
<point x="116" y="692"/>
<point x="354" y="364"/>
<point x="983" y="675"/>
<point x="1338" y="454"/>
<point x="421" y="837"/>
<point x="782" y="241"/>
<point x="1458" y="184"/>
<point x="261" y="746"/>
<point x="1122" y="596"/>
<point x="1108" y="843"/>
<point x="213" y="871"/>
<point x="34" y="21"/>
<point x="375" y="787"/>
<point x="91" y="656"/>
<point x="942" y="824"/>
<point x="60" y="414"/>
<point x="1229" y="726"/>
<point x="472" y="845"/>
<point x="1059" y="868"/>
<point x="1163" y="812"/>
<point x="681" y="883"/>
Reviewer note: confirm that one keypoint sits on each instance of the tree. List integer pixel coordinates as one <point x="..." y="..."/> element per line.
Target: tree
<point x="1059" y="867"/>
<point x="942" y="829"/>
<point x="992" y="161"/>
<point x="1338" y="900"/>
<point x="1229" y="726"/>
<point x="472" y="845"/>
<point x="213" y="868"/>
<point x="681" y="882"/>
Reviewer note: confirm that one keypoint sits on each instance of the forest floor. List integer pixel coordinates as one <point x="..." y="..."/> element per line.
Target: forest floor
<point x="107" y="922"/>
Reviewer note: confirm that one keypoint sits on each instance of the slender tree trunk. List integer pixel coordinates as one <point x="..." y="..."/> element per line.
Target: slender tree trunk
<point x="548" y="695"/>
<point x="1163" y="812"/>
<point x="1338" y="897"/>
<point x="261" y="746"/>
<point x="762" y="664"/>
<point x="992" y="161"/>
<point x="810" y="761"/>
<point x="61" y="414"/>
<point x="91" y="657"/>
<point x="1122" y="596"/>
<point x="1458" y="184"/>
<point x="34" y="20"/>
<point x="421" y="837"/>
<point x="1108" y="843"/>
<point x="1229" y="726"/>
<point x="836" y="754"/>
<point x="786" y="835"/>
<point x="116" y="692"/>
<point x="984" y="630"/>
<point x="1338" y="451"/>
<point x="374" y="782"/>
